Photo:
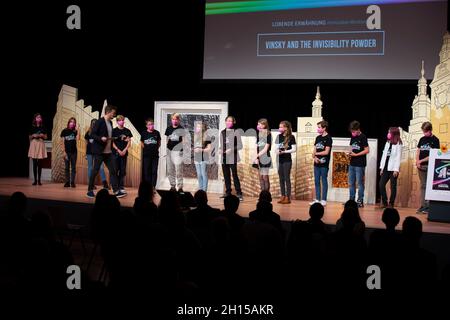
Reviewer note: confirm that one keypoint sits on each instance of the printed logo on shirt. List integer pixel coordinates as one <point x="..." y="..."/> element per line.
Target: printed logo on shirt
<point x="150" y="141"/>
<point x="91" y="140"/>
<point x="174" y="137"/>
<point x="425" y="146"/>
<point x="320" y="146"/>
<point x="261" y="143"/>
<point x="70" y="137"/>
<point x="356" y="146"/>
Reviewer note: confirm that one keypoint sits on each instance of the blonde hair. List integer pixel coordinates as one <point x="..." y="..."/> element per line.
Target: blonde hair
<point x="175" y="115"/>
<point x="120" y="117"/>
<point x="264" y="122"/>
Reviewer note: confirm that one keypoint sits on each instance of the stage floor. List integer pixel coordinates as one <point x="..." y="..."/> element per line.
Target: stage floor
<point x="296" y="210"/>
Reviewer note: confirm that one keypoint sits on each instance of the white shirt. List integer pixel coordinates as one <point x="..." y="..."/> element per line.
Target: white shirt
<point x="394" y="159"/>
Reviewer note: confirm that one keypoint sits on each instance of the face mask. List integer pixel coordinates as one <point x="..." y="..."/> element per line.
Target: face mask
<point x="320" y="130"/>
<point x="38" y="119"/>
<point x="389" y="136"/>
<point x="355" y="134"/>
<point x="229" y="125"/>
<point x="427" y="134"/>
<point x="71" y="125"/>
<point x="198" y="130"/>
<point x="121" y="123"/>
<point x="150" y="127"/>
<point x="175" y="123"/>
<point x="259" y="127"/>
<point x="281" y="130"/>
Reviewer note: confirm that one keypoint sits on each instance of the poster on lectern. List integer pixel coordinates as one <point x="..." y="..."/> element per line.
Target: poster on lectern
<point x="438" y="182"/>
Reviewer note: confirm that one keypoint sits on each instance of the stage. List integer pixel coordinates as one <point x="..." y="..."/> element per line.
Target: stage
<point x="296" y="210"/>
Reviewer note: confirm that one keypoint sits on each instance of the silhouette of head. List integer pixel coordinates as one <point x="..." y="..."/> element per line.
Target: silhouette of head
<point x="201" y="198"/>
<point x="265" y="196"/>
<point x="316" y="211"/>
<point x="390" y="218"/>
<point x="412" y="229"/>
<point x="17" y="204"/>
<point x="351" y="204"/>
<point x="350" y="217"/>
<point x="231" y="203"/>
<point x="145" y="191"/>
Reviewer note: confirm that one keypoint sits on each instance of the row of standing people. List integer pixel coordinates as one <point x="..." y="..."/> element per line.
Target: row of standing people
<point x="109" y="146"/>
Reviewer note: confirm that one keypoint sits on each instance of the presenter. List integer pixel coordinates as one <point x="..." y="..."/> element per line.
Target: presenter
<point x="390" y="166"/>
<point x="286" y="145"/>
<point x="37" y="150"/>
<point x="427" y="142"/>
<point x="230" y="144"/>
<point x="90" y="157"/>
<point x="102" y="151"/>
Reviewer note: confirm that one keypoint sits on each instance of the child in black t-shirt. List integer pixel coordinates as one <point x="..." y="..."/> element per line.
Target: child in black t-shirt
<point x="201" y="145"/>
<point x="286" y="145"/>
<point x="321" y="155"/>
<point x="150" y="143"/>
<point x="356" y="170"/>
<point x="175" y="134"/>
<point x="37" y="150"/>
<point x="263" y="159"/>
<point x="70" y="136"/>
<point x="425" y="144"/>
<point x="121" y="143"/>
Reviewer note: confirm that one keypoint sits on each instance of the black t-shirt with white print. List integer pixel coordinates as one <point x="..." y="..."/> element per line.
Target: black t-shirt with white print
<point x="285" y="157"/>
<point x="320" y="144"/>
<point x="151" y="141"/>
<point x="425" y="144"/>
<point x="358" y="144"/>
<point x="120" y="136"/>
<point x="175" y="137"/>
<point x="70" y="140"/>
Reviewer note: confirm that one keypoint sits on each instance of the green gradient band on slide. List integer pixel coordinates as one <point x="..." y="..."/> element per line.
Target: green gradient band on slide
<point x="228" y="7"/>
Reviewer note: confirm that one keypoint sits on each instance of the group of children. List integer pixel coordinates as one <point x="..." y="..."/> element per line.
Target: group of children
<point x="105" y="145"/>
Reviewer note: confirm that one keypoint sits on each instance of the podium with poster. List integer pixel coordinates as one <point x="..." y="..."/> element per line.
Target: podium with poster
<point x="438" y="185"/>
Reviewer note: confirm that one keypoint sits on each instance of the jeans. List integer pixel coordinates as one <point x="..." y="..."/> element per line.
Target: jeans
<point x="202" y="175"/>
<point x="385" y="177"/>
<point x="151" y="170"/>
<point x="284" y="173"/>
<point x="70" y="166"/>
<point x="90" y="161"/>
<point x="226" y="168"/>
<point x="108" y="159"/>
<point x="321" y="177"/>
<point x="356" y="176"/>
<point x="175" y="168"/>
<point x="121" y="167"/>
<point x="423" y="185"/>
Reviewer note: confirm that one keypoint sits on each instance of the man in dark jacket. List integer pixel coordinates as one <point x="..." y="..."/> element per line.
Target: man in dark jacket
<point x="101" y="150"/>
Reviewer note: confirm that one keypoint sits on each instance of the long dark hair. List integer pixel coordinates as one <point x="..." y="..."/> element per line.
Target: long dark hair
<point x="33" y="123"/>
<point x="70" y="119"/>
<point x="288" y="133"/>
<point x="93" y="121"/>
<point x="395" y="135"/>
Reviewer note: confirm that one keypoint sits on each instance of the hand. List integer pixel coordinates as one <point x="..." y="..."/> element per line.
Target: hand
<point x="418" y="164"/>
<point x="227" y="151"/>
<point x="197" y="150"/>
<point x="395" y="174"/>
<point x="104" y="139"/>
<point x="316" y="160"/>
<point x="352" y="154"/>
<point x="66" y="157"/>
<point x="381" y="172"/>
<point x="256" y="161"/>
<point x="280" y="151"/>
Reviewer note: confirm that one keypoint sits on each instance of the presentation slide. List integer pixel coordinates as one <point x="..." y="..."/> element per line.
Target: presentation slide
<point x="330" y="39"/>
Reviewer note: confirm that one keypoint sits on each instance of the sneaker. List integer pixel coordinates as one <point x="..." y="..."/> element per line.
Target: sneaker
<point x="360" y="204"/>
<point x="180" y="191"/>
<point x="241" y="198"/>
<point x="420" y="210"/>
<point x="282" y="199"/>
<point x="67" y="185"/>
<point x="323" y="203"/>
<point x="72" y="185"/>
<point x="123" y="191"/>
<point x="314" y="201"/>
<point x="119" y="194"/>
<point x="224" y="195"/>
<point x="286" y="200"/>
<point x="34" y="183"/>
<point x="90" y="194"/>
<point x="39" y="183"/>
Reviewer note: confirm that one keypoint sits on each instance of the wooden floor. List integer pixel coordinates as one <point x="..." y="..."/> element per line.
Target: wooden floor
<point x="296" y="210"/>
